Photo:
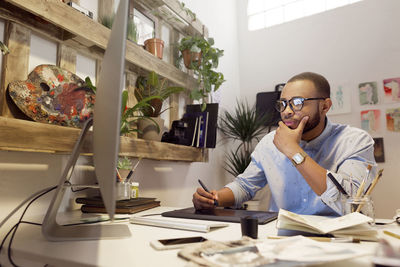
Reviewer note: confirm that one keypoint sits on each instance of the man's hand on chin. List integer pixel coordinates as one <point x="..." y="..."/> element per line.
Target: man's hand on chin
<point x="287" y="140"/>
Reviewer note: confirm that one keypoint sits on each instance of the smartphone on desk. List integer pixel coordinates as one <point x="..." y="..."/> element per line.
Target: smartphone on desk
<point x="174" y="243"/>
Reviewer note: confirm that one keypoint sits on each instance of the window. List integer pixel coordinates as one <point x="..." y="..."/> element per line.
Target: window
<point x="145" y="26"/>
<point x="266" y="13"/>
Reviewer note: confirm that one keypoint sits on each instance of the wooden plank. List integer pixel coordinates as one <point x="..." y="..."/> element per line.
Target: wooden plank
<point x="17" y="38"/>
<point x="159" y="151"/>
<point x="15" y="14"/>
<point x="66" y="58"/>
<point x="21" y="135"/>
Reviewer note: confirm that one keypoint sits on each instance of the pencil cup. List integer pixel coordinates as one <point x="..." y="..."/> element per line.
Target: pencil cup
<point x="362" y="204"/>
<point x="249" y="226"/>
<point x="123" y="191"/>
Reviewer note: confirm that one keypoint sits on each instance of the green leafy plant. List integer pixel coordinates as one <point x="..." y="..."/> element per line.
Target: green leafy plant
<point x="132" y="32"/>
<point x="132" y="114"/>
<point x="150" y="86"/>
<point x="245" y="126"/>
<point x="208" y="79"/>
<point x="124" y="163"/>
<point x="4" y="48"/>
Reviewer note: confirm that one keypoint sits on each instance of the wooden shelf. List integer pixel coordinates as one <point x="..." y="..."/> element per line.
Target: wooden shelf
<point x="22" y="135"/>
<point x="86" y="32"/>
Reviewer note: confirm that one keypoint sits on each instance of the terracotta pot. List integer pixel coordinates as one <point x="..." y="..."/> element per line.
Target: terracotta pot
<point x="148" y="130"/>
<point x="155" y="46"/>
<point x="189" y="57"/>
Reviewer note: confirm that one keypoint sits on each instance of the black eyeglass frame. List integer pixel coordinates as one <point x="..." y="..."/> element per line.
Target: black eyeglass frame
<point x="286" y="102"/>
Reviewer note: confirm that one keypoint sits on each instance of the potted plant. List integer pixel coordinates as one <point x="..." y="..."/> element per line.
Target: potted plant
<point x="132" y="114"/>
<point x="200" y="55"/>
<point x="245" y="126"/>
<point x="155" y="46"/>
<point x="147" y="87"/>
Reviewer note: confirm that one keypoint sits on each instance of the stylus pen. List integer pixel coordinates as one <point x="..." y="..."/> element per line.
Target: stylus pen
<point x="205" y="188"/>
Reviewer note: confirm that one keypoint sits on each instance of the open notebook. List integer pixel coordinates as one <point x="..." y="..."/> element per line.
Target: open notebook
<point x="182" y="224"/>
<point x="354" y="224"/>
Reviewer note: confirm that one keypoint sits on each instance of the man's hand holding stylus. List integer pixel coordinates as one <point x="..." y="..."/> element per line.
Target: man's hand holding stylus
<point x="204" y="200"/>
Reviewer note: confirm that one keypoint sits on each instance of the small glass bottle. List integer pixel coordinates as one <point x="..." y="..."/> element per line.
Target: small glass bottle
<point x="134" y="189"/>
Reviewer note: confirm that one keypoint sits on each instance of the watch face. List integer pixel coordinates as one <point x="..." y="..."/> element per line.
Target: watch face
<point x="298" y="158"/>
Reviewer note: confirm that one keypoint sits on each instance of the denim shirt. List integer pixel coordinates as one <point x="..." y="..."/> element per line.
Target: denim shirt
<point x="342" y="150"/>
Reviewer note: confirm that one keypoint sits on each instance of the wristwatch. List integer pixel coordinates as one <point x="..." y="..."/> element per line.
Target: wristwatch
<point x="298" y="158"/>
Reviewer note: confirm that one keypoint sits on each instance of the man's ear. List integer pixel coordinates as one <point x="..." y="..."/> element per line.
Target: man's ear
<point x="326" y="105"/>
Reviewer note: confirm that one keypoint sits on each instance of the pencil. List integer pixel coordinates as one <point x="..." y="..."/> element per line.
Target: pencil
<point x="362" y="185"/>
<point x="391" y="234"/>
<point x="371" y="187"/>
<point x="324" y="239"/>
<point x="119" y="176"/>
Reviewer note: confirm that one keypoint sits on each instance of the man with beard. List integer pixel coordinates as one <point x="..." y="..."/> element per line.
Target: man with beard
<point x="296" y="158"/>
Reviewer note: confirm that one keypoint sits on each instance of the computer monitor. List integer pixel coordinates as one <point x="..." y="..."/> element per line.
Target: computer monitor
<point x="106" y="137"/>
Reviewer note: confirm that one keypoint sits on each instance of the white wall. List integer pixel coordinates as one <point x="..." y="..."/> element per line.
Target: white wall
<point x="173" y="183"/>
<point x="351" y="44"/>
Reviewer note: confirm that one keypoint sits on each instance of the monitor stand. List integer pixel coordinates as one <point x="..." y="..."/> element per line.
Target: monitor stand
<point x="56" y="232"/>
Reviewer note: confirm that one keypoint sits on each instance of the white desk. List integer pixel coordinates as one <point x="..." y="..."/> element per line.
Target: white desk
<point x="31" y="249"/>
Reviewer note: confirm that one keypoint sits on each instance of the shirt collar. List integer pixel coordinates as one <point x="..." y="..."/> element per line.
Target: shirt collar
<point x="316" y="142"/>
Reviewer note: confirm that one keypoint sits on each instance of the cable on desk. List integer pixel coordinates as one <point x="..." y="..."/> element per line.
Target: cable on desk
<point x="15" y="227"/>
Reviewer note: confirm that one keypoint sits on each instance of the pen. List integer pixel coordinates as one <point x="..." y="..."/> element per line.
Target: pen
<point x="338" y="186"/>
<point x="324" y="239"/>
<point x="132" y="170"/>
<point x="205" y="189"/>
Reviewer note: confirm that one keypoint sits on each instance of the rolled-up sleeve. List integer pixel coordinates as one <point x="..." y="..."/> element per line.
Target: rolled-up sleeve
<point x="351" y="171"/>
<point x="245" y="185"/>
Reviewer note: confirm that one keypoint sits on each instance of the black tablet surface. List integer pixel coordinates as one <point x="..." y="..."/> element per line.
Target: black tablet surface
<point x="224" y="215"/>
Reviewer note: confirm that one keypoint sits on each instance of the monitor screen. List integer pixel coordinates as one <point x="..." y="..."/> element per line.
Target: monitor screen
<point x="265" y="105"/>
<point x="106" y="137"/>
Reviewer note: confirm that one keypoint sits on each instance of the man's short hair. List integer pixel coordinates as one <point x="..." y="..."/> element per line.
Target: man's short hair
<point x="319" y="81"/>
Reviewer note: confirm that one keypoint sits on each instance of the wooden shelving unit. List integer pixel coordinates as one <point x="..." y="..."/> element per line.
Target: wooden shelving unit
<point x="85" y="31"/>
<point x="70" y="28"/>
<point x="22" y="135"/>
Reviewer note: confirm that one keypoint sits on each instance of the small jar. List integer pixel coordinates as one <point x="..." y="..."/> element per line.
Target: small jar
<point x="134" y="189"/>
<point x="123" y="191"/>
<point x="363" y="204"/>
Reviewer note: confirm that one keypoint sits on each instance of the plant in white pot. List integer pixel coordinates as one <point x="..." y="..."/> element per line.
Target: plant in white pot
<point x="147" y="87"/>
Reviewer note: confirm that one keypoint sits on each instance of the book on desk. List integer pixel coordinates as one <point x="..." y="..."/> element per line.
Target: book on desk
<point x="354" y="225"/>
<point x="126" y="206"/>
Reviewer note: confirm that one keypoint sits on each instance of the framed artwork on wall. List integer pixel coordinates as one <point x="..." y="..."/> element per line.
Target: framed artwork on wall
<point x="391" y="87"/>
<point x="370" y="120"/>
<point x="393" y="119"/>
<point x="379" y="152"/>
<point x="341" y="100"/>
<point x="368" y="93"/>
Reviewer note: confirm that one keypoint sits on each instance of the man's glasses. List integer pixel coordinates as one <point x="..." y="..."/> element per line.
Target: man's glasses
<point x="296" y="103"/>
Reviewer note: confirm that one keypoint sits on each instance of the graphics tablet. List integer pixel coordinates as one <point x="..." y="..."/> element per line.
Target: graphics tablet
<point x="224" y="215"/>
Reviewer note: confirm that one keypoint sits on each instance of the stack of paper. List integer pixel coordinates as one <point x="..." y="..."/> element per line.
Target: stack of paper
<point x="354" y="224"/>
